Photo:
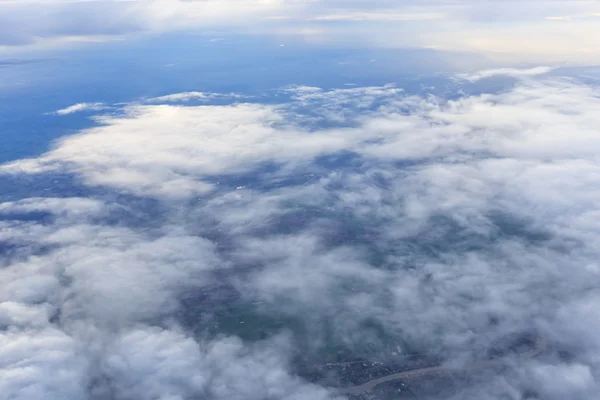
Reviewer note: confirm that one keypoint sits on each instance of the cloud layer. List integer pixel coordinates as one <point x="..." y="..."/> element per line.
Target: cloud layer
<point x="213" y="247"/>
<point x="532" y="31"/>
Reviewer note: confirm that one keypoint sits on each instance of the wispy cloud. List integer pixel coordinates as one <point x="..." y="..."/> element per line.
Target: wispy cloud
<point x="79" y="107"/>
<point x="370" y="16"/>
<point x="511" y="72"/>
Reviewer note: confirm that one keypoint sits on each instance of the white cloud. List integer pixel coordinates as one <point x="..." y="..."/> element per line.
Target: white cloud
<point x="216" y="140"/>
<point x="450" y="228"/>
<point x="511" y="72"/>
<point x="560" y="18"/>
<point x="189" y="96"/>
<point x="175" y="151"/>
<point x="80" y="107"/>
<point x="72" y="207"/>
<point x="41" y="363"/>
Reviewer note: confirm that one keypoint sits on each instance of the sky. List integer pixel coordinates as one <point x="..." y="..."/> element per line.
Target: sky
<point x="509" y="31"/>
<point x="209" y="200"/>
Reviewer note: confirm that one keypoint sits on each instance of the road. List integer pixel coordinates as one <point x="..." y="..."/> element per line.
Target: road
<point x="539" y="346"/>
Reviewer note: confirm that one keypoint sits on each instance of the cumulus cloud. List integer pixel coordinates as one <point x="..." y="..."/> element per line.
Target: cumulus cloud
<point x="226" y="252"/>
<point x="41" y="363"/>
<point x="217" y="140"/>
<point x="369" y="16"/>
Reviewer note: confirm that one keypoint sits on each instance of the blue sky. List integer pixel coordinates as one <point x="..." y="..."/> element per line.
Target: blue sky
<point x="214" y="199"/>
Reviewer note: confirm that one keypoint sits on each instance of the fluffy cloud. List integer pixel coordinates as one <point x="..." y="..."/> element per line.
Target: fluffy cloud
<point x="187" y="148"/>
<point x="220" y="244"/>
<point x="41" y="363"/>
<point x="164" y="364"/>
